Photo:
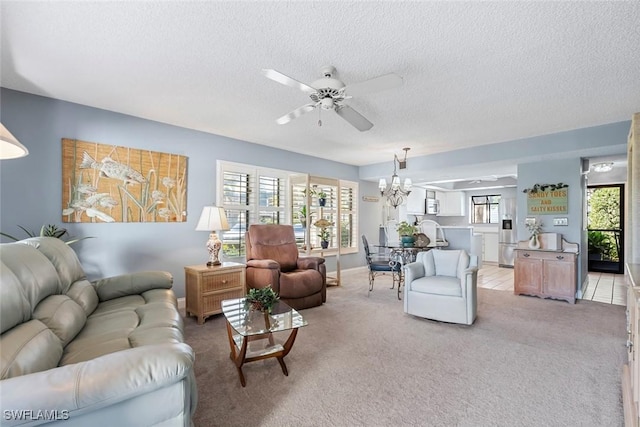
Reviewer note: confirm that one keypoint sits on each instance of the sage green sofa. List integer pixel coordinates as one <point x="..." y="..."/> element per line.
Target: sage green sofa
<point x="80" y="353"/>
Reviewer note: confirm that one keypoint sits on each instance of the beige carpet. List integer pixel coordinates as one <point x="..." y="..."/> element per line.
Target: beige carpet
<point x="362" y="362"/>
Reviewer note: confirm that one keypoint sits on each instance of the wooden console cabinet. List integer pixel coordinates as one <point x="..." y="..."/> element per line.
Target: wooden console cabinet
<point x="631" y="369"/>
<point x="206" y="287"/>
<point x="547" y="274"/>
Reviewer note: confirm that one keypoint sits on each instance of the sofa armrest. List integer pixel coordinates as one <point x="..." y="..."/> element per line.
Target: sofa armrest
<point x="310" y="262"/>
<point x="85" y="387"/>
<point x="263" y="263"/>
<point x="132" y="284"/>
<point x="469" y="282"/>
<point x="413" y="271"/>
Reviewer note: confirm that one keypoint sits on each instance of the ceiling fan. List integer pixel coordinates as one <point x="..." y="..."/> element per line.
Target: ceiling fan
<point x="329" y="93"/>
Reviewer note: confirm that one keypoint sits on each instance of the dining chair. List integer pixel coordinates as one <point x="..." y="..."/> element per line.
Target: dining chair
<point x="380" y="265"/>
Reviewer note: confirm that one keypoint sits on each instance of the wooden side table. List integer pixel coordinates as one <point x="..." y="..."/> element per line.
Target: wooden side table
<point x="206" y="287"/>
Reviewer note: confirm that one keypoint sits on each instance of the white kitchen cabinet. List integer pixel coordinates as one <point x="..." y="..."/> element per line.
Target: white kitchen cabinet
<point x="490" y="247"/>
<point x="416" y="201"/>
<point x="451" y="203"/>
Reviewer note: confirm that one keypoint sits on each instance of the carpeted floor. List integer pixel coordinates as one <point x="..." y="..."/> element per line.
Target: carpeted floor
<point x="362" y="362"/>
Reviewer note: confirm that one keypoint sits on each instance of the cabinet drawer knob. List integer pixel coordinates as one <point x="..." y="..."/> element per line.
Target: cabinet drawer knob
<point x="559" y="257"/>
<point x="526" y="255"/>
<point x="224" y="281"/>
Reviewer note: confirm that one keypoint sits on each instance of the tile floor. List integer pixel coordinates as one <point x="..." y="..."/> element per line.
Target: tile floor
<point x="603" y="287"/>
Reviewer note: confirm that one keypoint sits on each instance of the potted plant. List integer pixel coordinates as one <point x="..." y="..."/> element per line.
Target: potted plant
<point x="322" y="198"/>
<point x="302" y="216"/>
<point x="324" y="233"/>
<point x="261" y="299"/>
<point x="406" y="232"/>
<point x="50" y="230"/>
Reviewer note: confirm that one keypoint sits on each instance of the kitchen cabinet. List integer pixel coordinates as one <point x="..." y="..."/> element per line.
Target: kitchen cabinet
<point x="490" y="247"/>
<point x="547" y="274"/>
<point x="631" y="369"/>
<point x="451" y="203"/>
<point x="417" y="201"/>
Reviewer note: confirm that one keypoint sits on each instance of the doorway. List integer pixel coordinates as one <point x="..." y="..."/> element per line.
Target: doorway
<point x="605" y="219"/>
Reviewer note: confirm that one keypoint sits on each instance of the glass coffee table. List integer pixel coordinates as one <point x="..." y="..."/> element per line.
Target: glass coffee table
<point x="246" y="326"/>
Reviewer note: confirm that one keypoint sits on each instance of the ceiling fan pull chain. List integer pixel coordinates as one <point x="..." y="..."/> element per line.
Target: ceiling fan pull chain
<point x="319" y="118"/>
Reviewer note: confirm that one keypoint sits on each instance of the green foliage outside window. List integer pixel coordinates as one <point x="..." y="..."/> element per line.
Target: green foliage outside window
<point x="604" y="214"/>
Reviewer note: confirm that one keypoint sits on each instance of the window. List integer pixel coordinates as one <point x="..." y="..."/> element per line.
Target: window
<point x="249" y="195"/>
<point x="348" y="215"/>
<point x="484" y="209"/>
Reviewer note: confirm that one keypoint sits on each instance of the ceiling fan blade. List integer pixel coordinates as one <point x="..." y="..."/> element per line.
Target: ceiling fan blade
<point x="287" y="81"/>
<point x="376" y="84"/>
<point x="296" y="113"/>
<point x="356" y="119"/>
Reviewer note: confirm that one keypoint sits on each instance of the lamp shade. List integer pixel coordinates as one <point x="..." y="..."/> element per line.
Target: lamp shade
<point x="212" y="219"/>
<point x="10" y="148"/>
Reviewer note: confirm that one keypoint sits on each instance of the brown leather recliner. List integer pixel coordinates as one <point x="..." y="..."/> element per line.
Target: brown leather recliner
<point x="272" y="259"/>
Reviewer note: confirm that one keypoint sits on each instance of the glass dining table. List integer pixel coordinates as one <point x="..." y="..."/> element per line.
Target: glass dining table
<point x="399" y="254"/>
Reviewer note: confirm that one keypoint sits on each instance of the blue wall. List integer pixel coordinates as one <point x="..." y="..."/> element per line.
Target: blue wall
<point x="30" y="187"/>
<point x="567" y="171"/>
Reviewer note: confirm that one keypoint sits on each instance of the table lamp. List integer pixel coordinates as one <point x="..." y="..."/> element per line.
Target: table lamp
<point x="213" y="219"/>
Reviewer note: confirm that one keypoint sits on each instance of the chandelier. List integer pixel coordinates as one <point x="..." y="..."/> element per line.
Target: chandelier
<point x="394" y="192"/>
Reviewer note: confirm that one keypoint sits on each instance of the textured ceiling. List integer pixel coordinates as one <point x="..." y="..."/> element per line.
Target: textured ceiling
<point x="474" y="72"/>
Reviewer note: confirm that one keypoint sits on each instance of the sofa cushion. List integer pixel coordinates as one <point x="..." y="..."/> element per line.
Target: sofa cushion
<point x="300" y="283"/>
<point x="439" y="285"/>
<point x="14" y="306"/>
<point x="126" y="322"/>
<point x="84" y="294"/>
<point x="62" y="315"/>
<point x="36" y="275"/>
<point x="63" y="258"/>
<point x="446" y="262"/>
<point x="27" y="348"/>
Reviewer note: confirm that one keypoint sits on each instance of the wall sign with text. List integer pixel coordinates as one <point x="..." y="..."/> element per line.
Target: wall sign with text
<point x="547" y="199"/>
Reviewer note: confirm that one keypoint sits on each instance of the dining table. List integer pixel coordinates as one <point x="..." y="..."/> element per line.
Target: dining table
<point x="401" y="254"/>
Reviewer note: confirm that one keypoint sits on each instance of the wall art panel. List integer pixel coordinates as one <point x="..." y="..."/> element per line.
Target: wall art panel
<point x="107" y="183"/>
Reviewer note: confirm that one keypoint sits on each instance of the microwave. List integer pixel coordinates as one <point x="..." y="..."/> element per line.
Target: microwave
<point x="432" y="203"/>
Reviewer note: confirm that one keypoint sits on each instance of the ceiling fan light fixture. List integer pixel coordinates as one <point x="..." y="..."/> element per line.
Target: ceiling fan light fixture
<point x="327" y="103"/>
<point x="603" y="167"/>
<point x="329" y="92"/>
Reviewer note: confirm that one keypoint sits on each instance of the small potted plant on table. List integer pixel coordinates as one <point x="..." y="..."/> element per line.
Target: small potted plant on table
<point x="261" y="299"/>
<point x="406" y="232"/>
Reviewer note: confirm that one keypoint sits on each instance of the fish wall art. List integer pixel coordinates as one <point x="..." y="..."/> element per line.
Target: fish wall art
<point x="107" y="183"/>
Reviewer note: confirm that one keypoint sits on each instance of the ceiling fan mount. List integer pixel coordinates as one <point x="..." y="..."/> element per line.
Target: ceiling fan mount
<point x="329" y="93"/>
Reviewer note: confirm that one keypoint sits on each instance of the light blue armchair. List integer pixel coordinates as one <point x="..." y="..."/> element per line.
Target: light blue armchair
<point x="442" y="285"/>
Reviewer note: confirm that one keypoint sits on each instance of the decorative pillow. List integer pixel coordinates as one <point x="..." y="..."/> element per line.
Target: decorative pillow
<point x="446" y="262"/>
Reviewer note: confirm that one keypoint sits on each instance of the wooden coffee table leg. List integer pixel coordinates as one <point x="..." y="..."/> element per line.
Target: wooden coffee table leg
<point x="237" y="358"/>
